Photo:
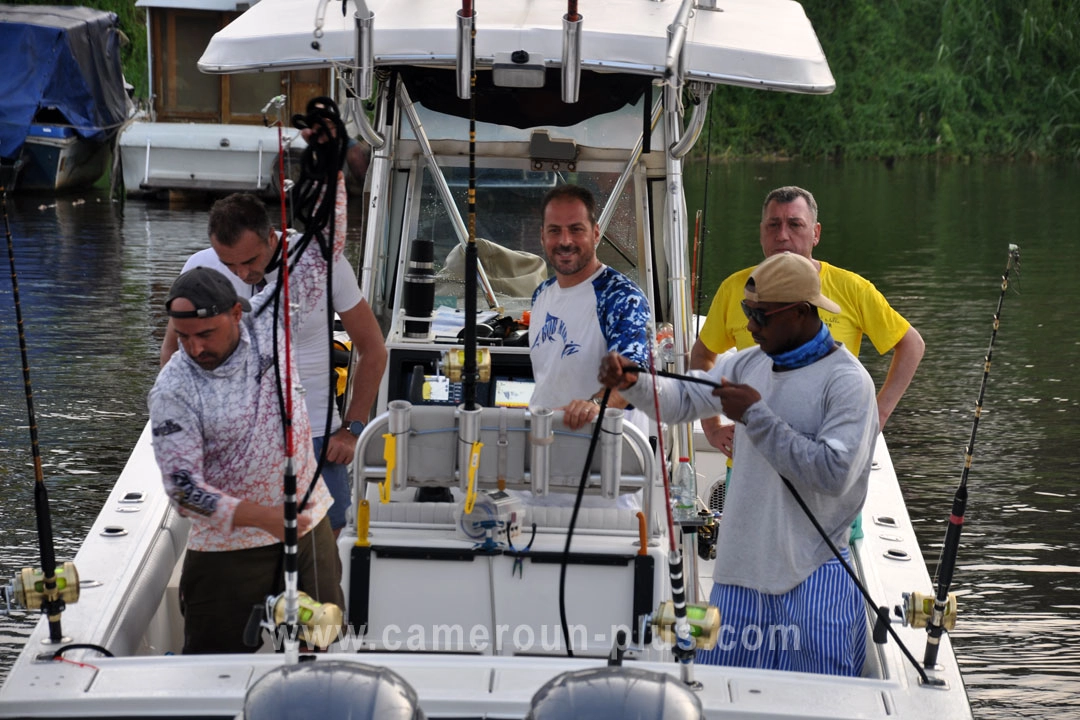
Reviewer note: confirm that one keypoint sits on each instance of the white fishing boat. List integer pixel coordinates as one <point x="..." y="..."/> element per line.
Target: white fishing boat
<point x="456" y="614"/>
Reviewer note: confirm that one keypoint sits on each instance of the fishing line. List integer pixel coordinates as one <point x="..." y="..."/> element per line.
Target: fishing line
<point x="53" y="605"/>
<point x="573" y="519"/>
<point x="880" y="614"/>
<point x="316" y="208"/>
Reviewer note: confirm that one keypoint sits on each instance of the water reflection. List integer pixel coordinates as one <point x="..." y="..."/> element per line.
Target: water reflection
<point x="934" y="239"/>
<point x="93" y="278"/>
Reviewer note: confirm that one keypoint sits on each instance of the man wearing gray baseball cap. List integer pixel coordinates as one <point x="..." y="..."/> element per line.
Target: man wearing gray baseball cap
<point x="218" y="441"/>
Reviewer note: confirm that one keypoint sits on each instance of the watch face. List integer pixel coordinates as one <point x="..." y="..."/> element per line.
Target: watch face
<point x="356" y="427"/>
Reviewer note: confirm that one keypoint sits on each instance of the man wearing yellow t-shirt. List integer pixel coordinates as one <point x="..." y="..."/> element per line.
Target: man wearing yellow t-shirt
<point x="789" y="223"/>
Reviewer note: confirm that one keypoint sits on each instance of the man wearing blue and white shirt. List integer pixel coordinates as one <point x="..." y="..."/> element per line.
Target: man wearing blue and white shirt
<point x="586" y="310"/>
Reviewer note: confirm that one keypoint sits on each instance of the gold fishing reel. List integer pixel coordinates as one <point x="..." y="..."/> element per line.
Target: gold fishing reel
<point x="320" y="623"/>
<point x="453" y="363"/>
<point x="28" y="588"/>
<point x="918" y="609"/>
<point x="704" y="623"/>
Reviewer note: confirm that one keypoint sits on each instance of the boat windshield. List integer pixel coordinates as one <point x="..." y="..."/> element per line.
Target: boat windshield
<point x="508" y="231"/>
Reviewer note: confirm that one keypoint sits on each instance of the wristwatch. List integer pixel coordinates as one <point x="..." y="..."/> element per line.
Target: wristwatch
<point x="355" y="427"/>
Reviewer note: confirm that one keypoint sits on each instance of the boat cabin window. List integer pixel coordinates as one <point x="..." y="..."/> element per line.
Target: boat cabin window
<point x="180" y="39"/>
<point x="183" y="94"/>
<point x="508" y="225"/>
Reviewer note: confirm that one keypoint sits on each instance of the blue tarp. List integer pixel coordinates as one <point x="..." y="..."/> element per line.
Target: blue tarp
<point x="67" y="58"/>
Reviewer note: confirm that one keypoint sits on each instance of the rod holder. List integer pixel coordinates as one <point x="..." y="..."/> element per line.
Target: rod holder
<point x="468" y="433"/>
<point x="364" y="77"/>
<point x="465" y="57"/>
<point x="540" y="439"/>
<point x="398" y="424"/>
<point x="571" y="58"/>
<point x="611" y="452"/>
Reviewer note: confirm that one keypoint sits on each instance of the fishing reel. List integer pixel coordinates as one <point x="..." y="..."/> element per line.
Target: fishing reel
<point x="453" y="363"/>
<point x="706" y="535"/>
<point x="27" y="589"/>
<point x="917" y="609"/>
<point x="319" y="624"/>
<point x="704" y="622"/>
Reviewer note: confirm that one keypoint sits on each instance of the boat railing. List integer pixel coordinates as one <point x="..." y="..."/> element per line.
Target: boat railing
<point x="518" y="449"/>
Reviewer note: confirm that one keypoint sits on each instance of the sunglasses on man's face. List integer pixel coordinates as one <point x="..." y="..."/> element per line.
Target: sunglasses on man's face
<point x="760" y="316"/>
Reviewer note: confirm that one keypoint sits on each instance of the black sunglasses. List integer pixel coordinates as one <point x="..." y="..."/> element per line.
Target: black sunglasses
<point x="761" y="317"/>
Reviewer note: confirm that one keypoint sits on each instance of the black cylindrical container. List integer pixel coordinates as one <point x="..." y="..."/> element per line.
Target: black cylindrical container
<point x="418" y="296"/>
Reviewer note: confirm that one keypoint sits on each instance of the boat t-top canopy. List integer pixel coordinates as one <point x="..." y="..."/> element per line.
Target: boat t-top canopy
<point x="766" y="44"/>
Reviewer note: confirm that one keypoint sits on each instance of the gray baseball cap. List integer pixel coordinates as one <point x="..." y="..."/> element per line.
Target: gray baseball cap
<point x="208" y="290"/>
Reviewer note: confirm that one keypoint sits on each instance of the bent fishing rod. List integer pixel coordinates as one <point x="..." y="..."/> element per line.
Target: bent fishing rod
<point x="316" y="204"/>
<point x="881" y="614"/>
<point x="51" y="597"/>
<point x="935" y="626"/>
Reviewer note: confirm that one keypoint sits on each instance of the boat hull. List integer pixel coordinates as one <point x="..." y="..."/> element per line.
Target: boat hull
<point x="129" y="563"/>
<point x="159" y="157"/>
<point x="58" y="161"/>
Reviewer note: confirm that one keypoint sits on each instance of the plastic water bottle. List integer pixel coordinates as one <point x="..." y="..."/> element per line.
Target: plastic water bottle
<point x="683" y="490"/>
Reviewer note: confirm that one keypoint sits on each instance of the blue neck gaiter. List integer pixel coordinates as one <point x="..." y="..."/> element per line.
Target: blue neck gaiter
<point x="809" y="352"/>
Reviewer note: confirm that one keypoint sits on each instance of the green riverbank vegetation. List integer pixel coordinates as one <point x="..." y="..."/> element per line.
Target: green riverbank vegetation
<point x="133" y="46"/>
<point x="955" y="79"/>
<point x="952" y="79"/>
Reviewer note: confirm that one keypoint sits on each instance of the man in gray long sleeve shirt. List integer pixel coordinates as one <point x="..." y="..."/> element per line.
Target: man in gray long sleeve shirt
<point x="804" y="409"/>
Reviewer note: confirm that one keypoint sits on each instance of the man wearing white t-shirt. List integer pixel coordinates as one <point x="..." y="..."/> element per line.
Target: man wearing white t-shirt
<point x="586" y="310"/>
<point x="244" y="247"/>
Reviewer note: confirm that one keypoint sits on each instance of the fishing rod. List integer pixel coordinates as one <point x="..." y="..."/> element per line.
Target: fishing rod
<point x="292" y="601"/>
<point x="469" y="373"/>
<point x="703" y="214"/>
<point x="882" y="624"/>
<point x="695" y="271"/>
<point x="935" y="626"/>
<point x="57" y="586"/>
<point x="464" y="366"/>
<point x="317" y="198"/>
<point x="684" y="640"/>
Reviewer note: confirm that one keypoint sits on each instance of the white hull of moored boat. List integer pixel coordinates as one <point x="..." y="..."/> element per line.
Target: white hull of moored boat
<point x="202" y="157"/>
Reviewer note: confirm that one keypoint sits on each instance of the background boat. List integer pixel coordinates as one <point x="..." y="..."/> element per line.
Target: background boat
<point x="63" y="94"/>
<point x="209" y="133"/>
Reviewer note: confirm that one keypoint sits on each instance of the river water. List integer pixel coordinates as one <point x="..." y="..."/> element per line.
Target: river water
<point x="93" y="276"/>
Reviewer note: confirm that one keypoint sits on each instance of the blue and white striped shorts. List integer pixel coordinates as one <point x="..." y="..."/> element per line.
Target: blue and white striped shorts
<point x="819" y="626"/>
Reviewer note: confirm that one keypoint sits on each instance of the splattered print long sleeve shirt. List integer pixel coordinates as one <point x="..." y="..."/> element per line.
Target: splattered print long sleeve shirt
<point x="217" y="434"/>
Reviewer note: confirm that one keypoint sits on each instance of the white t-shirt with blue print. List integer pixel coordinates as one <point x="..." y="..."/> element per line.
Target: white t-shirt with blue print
<point x="571" y="329"/>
